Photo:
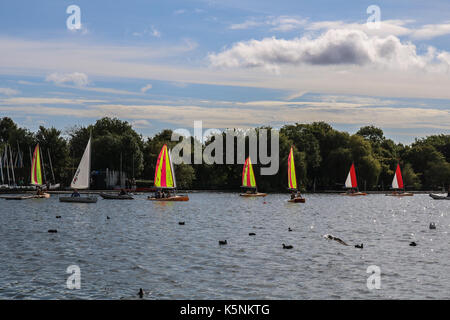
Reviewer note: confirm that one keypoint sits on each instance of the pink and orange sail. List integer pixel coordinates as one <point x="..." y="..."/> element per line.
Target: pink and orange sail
<point x="36" y="175"/>
<point x="292" y="179"/>
<point x="351" y="182"/>
<point x="164" y="174"/>
<point x="397" y="182"/>
<point x="248" y="176"/>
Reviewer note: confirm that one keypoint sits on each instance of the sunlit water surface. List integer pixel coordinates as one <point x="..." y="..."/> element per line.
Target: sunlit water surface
<point x="143" y="246"/>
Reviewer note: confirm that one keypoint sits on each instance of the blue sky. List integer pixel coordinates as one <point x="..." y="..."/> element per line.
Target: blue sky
<point x="165" y="64"/>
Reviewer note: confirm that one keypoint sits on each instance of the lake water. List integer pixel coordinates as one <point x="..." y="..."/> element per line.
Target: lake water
<point x="143" y="246"/>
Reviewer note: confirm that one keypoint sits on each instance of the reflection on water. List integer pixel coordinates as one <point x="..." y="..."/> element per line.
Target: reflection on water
<point x="142" y="245"/>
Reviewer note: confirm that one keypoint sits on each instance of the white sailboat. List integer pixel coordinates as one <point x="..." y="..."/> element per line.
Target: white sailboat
<point x="82" y="177"/>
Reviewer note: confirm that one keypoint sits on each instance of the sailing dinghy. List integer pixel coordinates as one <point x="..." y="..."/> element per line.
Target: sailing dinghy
<point x="397" y="184"/>
<point x="82" y="177"/>
<point x="351" y="184"/>
<point x="249" y="182"/>
<point x="165" y="179"/>
<point x="292" y="180"/>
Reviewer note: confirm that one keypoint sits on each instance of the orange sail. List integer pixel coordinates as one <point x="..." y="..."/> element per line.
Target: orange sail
<point x="164" y="177"/>
<point x="248" y="176"/>
<point x="36" y="175"/>
<point x="292" y="179"/>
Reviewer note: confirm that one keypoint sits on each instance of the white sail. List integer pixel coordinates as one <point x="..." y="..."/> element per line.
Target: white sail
<point x="173" y="171"/>
<point x="348" y="182"/>
<point x="395" y="182"/>
<point x="82" y="175"/>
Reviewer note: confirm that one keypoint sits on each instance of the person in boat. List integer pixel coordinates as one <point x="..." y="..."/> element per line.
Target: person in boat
<point x="75" y="193"/>
<point x="39" y="191"/>
<point x="299" y="195"/>
<point x="292" y="195"/>
<point x="122" y="192"/>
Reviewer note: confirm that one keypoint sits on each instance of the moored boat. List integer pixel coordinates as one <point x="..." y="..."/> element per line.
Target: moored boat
<point x="165" y="181"/>
<point x="439" y="196"/>
<point x="249" y="181"/>
<point x="110" y="196"/>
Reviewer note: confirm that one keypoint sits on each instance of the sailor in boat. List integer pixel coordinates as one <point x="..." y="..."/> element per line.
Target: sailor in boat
<point x="122" y="192"/>
<point x="39" y="191"/>
<point x="75" y="193"/>
<point x="292" y="195"/>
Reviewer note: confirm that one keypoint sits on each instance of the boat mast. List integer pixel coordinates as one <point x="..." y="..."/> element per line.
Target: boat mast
<point x="7" y="164"/>
<point x="42" y="164"/>
<point x="1" y="168"/>
<point x="12" y="165"/>
<point x="51" y="165"/>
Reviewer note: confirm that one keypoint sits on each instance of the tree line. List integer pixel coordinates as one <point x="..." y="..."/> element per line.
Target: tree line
<point x="322" y="154"/>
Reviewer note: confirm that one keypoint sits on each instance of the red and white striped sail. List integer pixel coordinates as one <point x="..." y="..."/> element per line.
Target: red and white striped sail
<point x="351" y="178"/>
<point x="397" y="182"/>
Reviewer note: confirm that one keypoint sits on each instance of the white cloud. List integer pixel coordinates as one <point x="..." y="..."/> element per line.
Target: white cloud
<point x="280" y="23"/>
<point x="141" y="124"/>
<point x="334" y="47"/>
<point x="77" y="78"/>
<point x="8" y="91"/>
<point x="179" y="11"/>
<point x="431" y="31"/>
<point x="146" y="88"/>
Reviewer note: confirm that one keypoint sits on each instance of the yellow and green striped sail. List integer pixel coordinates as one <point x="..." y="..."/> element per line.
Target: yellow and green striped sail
<point x="248" y="177"/>
<point x="292" y="179"/>
<point x="163" y="171"/>
<point x="36" y="175"/>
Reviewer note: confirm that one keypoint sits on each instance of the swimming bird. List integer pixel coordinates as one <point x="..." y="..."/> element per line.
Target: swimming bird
<point x="252" y="234"/>
<point x="181" y="223"/>
<point x="222" y="242"/>
<point x="107" y="218"/>
<point x="289" y="229"/>
<point x="413" y="244"/>
<point x="287" y="246"/>
<point x="141" y="293"/>
<point x="359" y="246"/>
<point x="331" y="237"/>
<point x="52" y="231"/>
<point x="58" y="217"/>
<point x="432" y="225"/>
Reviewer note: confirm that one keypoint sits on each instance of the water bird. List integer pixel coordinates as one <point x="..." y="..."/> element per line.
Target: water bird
<point x="287" y="246"/>
<point x="289" y="229"/>
<point x="222" y="242"/>
<point x="52" y="231"/>
<point x="181" y="223"/>
<point x="252" y="234"/>
<point x="58" y="217"/>
<point x="141" y="293"/>
<point x="331" y="237"/>
<point x="359" y="246"/>
<point x="432" y="225"/>
<point x="107" y="218"/>
<point x="413" y="244"/>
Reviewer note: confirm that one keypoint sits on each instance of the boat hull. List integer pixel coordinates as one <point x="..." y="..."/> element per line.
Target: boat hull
<point x="354" y="194"/>
<point x="249" y="195"/>
<point x="108" y="196"/>
<point x="174" y="198"/>
<point x="34" y="196"/>
<point x="297" y="200"/>
<point x="403" y="194"/>
<point x="78" y="199"/>
<point x="438" y="197"/>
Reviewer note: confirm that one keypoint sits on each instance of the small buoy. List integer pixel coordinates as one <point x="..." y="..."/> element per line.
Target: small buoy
<point x="252" y="234"/>
<point x="289" y="229"/>
<point x="359" y="246"/>
<point x="287" y="246"/>
<point x="413" y="244"/>
<point x="52" y="231"/>
<point x="141" y="293"/>
<point x="432" y="225"/>
<point x="181" y="223"/>
<point x="58" y="217"/>
<point x="222" y="242"/>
